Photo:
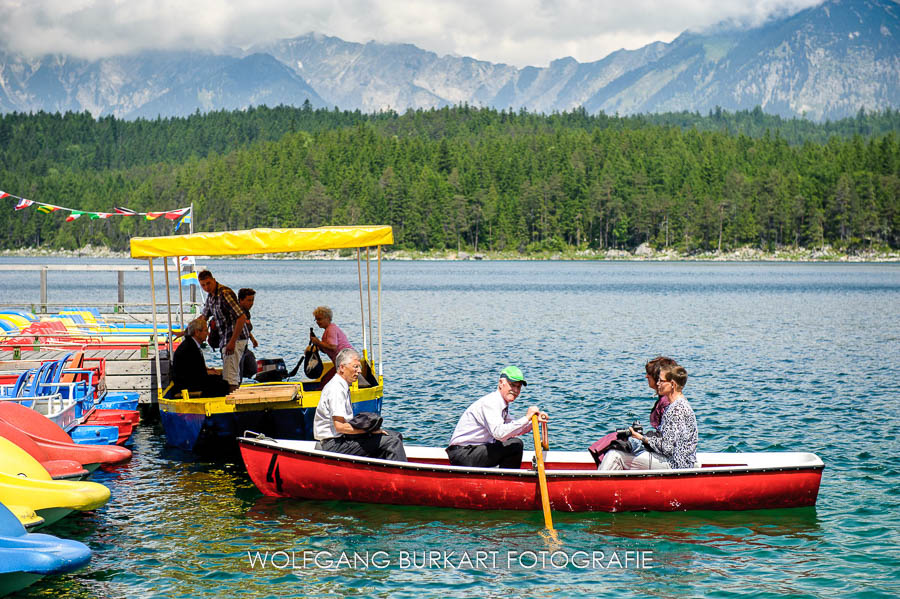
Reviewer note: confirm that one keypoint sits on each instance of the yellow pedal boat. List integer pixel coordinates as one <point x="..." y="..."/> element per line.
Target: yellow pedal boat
<point x="26" y="486"/>
<point x="26" y="516"/>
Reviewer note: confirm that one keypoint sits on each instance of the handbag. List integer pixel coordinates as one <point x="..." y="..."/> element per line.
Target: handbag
<point x="312" y="366"/>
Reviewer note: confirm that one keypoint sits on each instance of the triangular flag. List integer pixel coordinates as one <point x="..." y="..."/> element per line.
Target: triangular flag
<point x="3" y="194"/>
<point x="47" y="208"/>
<point x="75" y="214"/>
<point x="184" y="219"/>
<point x="173" y="214"/>
<point x="153" y="215"/>
<point x="125" y="211"/>
<point x="23" y="203"/>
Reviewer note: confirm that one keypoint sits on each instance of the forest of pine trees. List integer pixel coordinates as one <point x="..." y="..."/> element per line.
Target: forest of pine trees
<point x="471" y="178"/>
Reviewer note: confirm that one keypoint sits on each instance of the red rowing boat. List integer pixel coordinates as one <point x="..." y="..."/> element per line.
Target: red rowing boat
<point x="724" y="481"/>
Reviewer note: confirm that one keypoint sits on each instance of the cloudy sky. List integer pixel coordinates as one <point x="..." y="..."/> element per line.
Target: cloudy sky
<point x="517" y="32"/>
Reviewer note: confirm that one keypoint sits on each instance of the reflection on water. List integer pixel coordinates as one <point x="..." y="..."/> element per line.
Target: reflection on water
<point x="780" y="357"/>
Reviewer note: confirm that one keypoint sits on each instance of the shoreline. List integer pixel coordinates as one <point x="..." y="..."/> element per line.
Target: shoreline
<point x="643" y="253"/>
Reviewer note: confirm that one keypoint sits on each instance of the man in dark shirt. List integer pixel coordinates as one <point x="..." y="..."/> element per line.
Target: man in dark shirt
<point x="190" y="371"/>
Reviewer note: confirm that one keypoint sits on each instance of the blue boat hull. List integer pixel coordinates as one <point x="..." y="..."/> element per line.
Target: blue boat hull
<point x="217" y="432"/>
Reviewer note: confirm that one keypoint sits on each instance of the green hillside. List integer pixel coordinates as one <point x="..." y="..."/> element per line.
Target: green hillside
<point x="476" y="179"/>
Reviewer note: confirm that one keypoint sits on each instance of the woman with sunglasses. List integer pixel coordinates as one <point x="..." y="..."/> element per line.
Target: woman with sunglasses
<point x="676" y="445"/>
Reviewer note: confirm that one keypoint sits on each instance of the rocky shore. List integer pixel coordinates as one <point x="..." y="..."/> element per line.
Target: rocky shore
<point x="647" y="253"/>
<point x="88" y="251"/>
<point x="642" y="252"/>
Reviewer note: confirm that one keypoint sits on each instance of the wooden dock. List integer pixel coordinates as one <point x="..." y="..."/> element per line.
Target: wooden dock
<point x="126" y="370"/>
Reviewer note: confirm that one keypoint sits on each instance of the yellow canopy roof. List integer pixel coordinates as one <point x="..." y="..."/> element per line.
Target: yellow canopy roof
<point x="261" y="241"/>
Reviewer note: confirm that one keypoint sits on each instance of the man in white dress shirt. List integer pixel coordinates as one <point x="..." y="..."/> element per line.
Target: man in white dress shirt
<point x="486" y="435"/>
<point x="331" y="426"/>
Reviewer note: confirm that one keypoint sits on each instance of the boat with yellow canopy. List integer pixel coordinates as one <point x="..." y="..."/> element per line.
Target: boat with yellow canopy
<point x="282" y="410"/>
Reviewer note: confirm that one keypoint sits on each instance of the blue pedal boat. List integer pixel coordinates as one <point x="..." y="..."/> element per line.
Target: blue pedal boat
<point x="27" y="557"/>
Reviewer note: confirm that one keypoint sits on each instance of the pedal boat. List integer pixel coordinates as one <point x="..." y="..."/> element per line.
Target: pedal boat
<point x="57" y="443"/>
<point x="24" y="482"/>
<point x="26" y="558"/>
<point x="723" y="481"/>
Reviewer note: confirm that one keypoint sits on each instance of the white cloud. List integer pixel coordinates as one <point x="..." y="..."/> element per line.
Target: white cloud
<point x="518" y="32"/>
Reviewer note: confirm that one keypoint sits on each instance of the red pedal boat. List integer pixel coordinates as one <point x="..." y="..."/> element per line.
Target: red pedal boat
<point x="725" y="481"/>
<point x="56" y="442"/>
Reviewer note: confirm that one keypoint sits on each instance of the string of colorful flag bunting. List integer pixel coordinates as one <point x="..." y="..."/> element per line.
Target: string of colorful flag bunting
<point x="181" y="215"/>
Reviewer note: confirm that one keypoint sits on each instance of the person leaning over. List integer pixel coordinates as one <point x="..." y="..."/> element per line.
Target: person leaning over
<point x="222" y="303"/>
<point x="486" y="435"/>
<point x="189" y="365"/>
<point x="332" y="428"/>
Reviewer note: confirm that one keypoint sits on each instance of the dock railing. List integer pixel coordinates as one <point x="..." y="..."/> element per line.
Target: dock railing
<point x="120" y="306"/>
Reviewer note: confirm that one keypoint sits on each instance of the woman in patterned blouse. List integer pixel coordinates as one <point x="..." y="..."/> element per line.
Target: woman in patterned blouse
<point x="676" y="445"/>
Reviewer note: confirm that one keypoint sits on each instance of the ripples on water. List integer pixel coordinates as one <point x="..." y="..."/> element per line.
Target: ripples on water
<point x="780" y="357"/>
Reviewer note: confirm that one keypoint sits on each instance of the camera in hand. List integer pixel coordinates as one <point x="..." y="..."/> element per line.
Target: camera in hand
<point x="623" y="434"/>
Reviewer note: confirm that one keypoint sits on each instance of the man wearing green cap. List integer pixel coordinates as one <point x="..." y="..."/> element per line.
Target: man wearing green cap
<point x="486" y="435"/>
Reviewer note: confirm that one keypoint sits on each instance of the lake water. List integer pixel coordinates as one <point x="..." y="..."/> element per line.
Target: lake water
<point x="780" y="357"/>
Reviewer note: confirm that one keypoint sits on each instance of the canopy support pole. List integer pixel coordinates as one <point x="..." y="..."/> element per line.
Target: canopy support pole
<point x="380" y="363"/>
<point x="193" y="289"/>
<point x="180" y="295"/>
<point x="362" y="315"/>
<point x="369" y="293"/>
<point x="168" y="314"/>
<point x="155" y="330"/>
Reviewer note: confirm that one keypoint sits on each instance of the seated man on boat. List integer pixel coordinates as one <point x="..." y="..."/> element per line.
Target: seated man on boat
<point x="676" y="444"/>
<point x="190" y="368"/>
<point x="334" y="413"/>
<point x="486" y="435"/>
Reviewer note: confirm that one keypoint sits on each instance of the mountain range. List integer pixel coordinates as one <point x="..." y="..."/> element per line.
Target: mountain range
<point x="824" y="62"/>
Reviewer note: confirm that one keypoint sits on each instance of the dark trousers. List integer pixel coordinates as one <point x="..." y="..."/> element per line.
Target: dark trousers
<point x="388" y="446"/>
<point x="209" y="385"/>
<point x="506" y="454"/>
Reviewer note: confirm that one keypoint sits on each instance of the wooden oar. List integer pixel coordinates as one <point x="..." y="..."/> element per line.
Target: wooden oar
<point x="542" y="476"/>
